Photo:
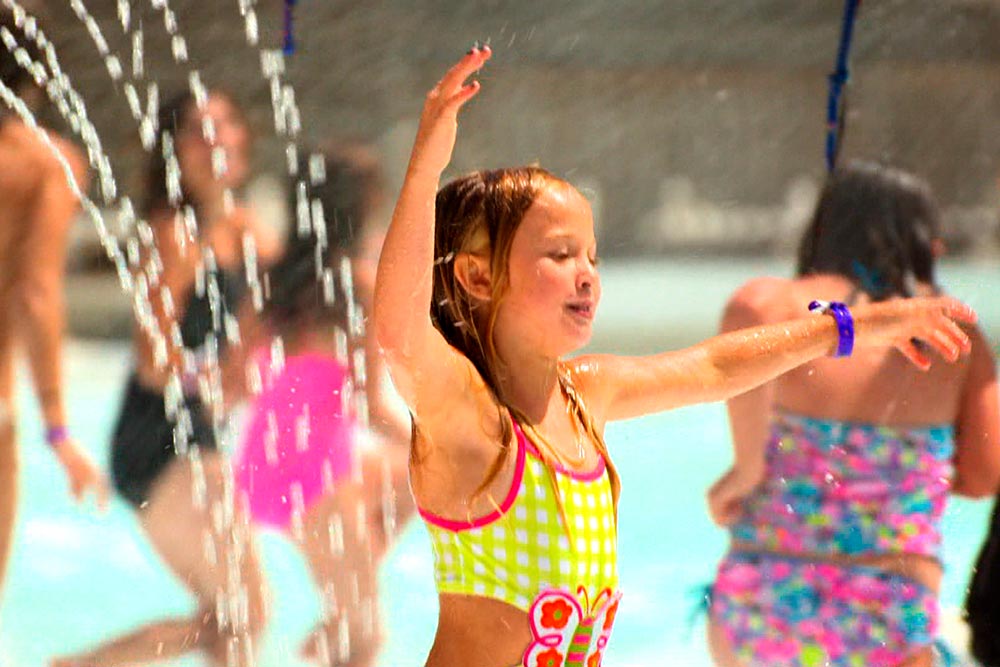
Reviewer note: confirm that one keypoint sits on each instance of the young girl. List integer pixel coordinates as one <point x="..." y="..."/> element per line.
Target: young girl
<point x="301" y="458"/>
<point x="508" y="465"/>
<point x="180" y="496"/>
<point x="843" y="470"/>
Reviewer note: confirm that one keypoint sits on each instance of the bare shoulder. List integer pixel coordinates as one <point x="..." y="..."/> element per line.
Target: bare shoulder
<point x="69" y="150"/>
<point x="983" y="355"/>
<point x="760" y="300"/>
<point x="49" y="164"/>
<point x="585" y="375"/>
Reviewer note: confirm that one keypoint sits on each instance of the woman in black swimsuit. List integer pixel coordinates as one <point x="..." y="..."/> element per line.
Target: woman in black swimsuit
<point x="181" y="499"/>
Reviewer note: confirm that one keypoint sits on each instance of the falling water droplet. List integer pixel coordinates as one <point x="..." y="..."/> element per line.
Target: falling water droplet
<point x="317" y="169"/>
<point x="250" y="24"/>
<point x="114" y="67"/>
<point x="219" y="166"/>
<point x="336" y="528"/>
<point x="344" y="639"/>
<point x="138" y="67"/>
<point x="124" y="14"/>
<point x="178" y="47"/>
<point x="302" y="430"/>
<point x="277" y="356"/>
<point x="303" y="222"/>
<point x="329" y="287"/>
<point x="132" y="97"/>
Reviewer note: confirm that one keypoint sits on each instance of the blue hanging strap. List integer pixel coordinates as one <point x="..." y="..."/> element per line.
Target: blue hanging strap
<point x="289" y="47"/>
<point x="835" y="112"/>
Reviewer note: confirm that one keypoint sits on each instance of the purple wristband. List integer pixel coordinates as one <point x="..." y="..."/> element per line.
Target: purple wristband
<point x="845" y="324"/>
<point x="56" y="435"/>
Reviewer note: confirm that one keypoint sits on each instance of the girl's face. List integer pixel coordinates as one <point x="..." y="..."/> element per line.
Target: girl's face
<point x="554" y="287"/>
<point x="194" y="152"/>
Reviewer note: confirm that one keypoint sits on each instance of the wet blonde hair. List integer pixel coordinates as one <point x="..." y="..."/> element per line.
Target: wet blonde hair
<point x="480" y="213"/>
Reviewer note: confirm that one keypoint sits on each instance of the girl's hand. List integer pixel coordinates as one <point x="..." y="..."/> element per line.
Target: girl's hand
<point x="726" y="496"/>
<point x="913" y="326"/>
<point x="82" y="473"/>
<point x="439" y="120"/>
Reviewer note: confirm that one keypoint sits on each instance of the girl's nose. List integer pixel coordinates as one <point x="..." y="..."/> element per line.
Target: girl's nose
<point x="586" y="276"/>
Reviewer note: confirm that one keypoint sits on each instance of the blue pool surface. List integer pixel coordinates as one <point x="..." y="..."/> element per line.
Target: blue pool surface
<point x="78" y="576"/>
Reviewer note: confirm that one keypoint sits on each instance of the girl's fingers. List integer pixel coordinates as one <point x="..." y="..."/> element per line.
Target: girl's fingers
<point x="958" y="311"/>
<point x="944" y="344"/>
<point x="913" y="353"/>
<point x="466" y="93"/>
<point x="957" y="335"/>
<point x="462" y="70"/>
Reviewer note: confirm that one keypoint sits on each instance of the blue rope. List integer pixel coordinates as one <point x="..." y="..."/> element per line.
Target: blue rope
<point x="838" y="79"/>
<point x="289" y="47"/>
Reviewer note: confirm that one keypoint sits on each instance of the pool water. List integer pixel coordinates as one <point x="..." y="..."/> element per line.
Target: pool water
<point x="78" y="577"/>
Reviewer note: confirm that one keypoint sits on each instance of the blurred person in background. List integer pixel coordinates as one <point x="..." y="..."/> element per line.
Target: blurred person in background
<point x="982" y="600"/>
<point x="843" y="468"/>
<point x="303" y="464"/>
<point x="37" y="208"/>
<point x="164" y="457"/>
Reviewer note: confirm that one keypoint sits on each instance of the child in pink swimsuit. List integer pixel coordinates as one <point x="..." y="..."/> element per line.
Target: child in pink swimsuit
<point x="843" y="470"/>
<point x="300" y="440"/>
<point x="299" y="467"/>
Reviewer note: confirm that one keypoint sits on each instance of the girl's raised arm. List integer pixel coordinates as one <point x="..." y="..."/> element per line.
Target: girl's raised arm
<point x="732" y="363"/>
<point x="424" y="368"/>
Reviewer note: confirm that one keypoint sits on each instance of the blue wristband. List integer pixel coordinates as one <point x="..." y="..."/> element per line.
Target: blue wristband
<point x="845" y="324"/>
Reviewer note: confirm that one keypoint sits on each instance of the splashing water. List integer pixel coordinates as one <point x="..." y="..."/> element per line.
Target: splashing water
<point x="143" y="282"/>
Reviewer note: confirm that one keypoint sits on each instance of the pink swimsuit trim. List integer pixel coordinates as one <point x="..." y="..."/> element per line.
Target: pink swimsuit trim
<point x="588" y="476"/>
<point x="456" y="526"/>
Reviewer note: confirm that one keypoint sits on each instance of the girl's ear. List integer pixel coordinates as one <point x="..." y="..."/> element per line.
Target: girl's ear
<point x="473" y="272"/>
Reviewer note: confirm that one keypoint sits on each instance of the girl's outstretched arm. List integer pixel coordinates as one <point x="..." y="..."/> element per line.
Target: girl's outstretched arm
<point x="732" y="363"/>
<point x="425" y="369"/>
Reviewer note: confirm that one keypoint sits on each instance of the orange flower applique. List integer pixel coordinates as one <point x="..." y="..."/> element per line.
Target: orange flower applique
<point x="550" y="658"/>
<point x="555" y="614"/>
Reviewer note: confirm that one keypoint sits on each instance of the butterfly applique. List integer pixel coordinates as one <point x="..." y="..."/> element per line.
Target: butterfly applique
<point x="568" y="634"/>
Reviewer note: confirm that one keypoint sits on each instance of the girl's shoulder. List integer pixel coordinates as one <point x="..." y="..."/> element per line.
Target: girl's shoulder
<point x="765" y="299"/>
<point x="42" y="159"/>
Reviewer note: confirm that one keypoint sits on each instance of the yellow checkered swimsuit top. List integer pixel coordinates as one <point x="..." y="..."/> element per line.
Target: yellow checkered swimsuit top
<point x="525" y="548"/>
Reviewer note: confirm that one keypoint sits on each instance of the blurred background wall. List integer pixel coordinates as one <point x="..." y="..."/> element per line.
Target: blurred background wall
<point x="697" y="126"/>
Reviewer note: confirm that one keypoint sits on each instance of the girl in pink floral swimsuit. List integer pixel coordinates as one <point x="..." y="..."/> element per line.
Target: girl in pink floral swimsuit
<point x="843" y="467"/>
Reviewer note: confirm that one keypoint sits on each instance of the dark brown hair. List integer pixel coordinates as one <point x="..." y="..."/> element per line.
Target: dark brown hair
<point x="874" y="225"/>
<point x="349" y="194"/>
<point x="174" y="116"/>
